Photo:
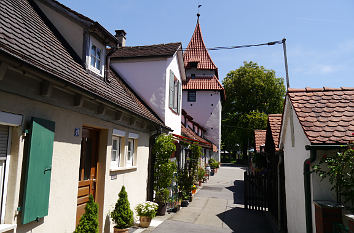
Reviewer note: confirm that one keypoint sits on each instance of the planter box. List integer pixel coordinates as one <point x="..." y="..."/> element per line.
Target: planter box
<point x="327" y="213"/>
<point x="350" y="219"/>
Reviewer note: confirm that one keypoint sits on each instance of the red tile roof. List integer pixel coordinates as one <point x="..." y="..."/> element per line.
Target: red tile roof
<point x="326" y="114"/>
<point x="274" y="122"/>
<point x="202" y="83"/>
<point x="158" y="50"/>
<point x="25" y="35"/>
<point x="187" y="132"/>
<point x="197" y="52"/>
<point x="259" y="139"/>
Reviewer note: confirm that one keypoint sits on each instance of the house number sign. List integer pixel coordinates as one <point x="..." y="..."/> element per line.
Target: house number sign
<point x="77" y="132"/>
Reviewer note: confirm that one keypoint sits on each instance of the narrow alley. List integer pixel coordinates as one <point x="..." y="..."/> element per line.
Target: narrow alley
<point x="218" y="207"/>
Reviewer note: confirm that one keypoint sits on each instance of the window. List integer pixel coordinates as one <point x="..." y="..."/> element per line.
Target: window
<point x="116" y="152"/>
<point x="131" y="153"/>
<point x="96" y="59"/>
<point x="192" y="96"/>
<point x="175" y="93"/>
<point x="192" y="76"/>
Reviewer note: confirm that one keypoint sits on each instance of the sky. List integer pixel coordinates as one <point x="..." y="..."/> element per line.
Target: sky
<point x="319" y="33"/>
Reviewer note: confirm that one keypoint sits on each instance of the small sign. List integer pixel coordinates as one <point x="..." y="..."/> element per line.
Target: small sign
<point x="77" y="132"/>
<point x="113" y="177"/>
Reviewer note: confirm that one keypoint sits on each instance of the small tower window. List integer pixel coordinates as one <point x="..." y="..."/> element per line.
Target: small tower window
<point x="192" y="96"/>
<point x="192" y="76"/>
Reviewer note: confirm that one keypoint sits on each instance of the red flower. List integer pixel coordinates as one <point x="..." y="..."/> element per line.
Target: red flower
<point x="308" y="162"/>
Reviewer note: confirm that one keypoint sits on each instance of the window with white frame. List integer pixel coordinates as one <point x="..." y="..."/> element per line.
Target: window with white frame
<point x="116" y="152"/>
<point x="96" y="57"/>
<point x="174" y="93"/>
<point x="131" y="153"/>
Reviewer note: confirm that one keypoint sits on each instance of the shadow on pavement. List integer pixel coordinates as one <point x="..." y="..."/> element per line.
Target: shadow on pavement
<point x="245" y="221"/>
<point x="243" y="167"/>
<point x="237" y="191"/>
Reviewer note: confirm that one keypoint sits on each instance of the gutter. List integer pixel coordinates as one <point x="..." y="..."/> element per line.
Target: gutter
<point x="307" y="179"/>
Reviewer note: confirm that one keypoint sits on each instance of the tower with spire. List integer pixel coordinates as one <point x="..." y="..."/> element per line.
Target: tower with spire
<point x="202" y="91"/>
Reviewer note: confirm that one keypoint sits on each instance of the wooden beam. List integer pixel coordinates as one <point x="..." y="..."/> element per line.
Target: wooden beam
<point x="78" y="100"/>
<point x="3" y="69"/>
<point x="45" y="88"/>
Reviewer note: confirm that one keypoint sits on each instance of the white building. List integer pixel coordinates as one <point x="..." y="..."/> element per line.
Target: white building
<point x="156" y="73"/>
<point x="316" y="122"/>
<point x="70" y="127"/>
<point x="202" y="91"/>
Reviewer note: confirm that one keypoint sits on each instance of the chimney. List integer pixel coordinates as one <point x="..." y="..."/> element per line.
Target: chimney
<point x="120" y="35"/>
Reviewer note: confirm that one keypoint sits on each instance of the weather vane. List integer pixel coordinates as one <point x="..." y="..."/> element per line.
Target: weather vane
<point x="198" y="9"/>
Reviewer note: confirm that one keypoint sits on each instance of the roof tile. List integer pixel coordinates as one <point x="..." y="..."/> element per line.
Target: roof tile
<point x="331" y="119"/>
<point x="259" y="139"/>
<point x="158" y="50"/>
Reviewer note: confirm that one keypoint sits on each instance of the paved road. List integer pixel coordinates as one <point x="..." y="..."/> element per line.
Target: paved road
<point x="218" y="207"/>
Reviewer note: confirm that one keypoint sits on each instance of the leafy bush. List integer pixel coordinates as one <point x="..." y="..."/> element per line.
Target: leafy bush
<point x="164" y="168"/>
<point x="147" y="208"/>
<point x="201" y="173"/>
<point x="89" y="220"/>
<point x="339" y="170"/>
<point x="122" y="215"/>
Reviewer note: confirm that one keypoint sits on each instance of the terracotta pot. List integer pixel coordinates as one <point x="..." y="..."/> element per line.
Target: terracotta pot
<point x="194" y="191"/>
<point x="116" y="230"/>
<point x="145" y="221"/>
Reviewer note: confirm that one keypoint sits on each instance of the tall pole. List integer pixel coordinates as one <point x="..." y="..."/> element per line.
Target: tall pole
<point x="286" y="64"/>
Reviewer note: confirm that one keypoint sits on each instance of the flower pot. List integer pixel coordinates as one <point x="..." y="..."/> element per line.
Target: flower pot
<point x="116" y="230"/>
<point x="327" y="214"/>
<point x="184" y="203"/>
<point x="350" y="219"/>
<point x="190" y="198"/>
<point x="145" y="221"/>
<point x="161" y="211"/>
<point x="194" y="191"/>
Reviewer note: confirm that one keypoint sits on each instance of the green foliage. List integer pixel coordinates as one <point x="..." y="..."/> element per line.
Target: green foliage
<point x="213" y="163"/>
<point x="201" y="173"/>
<point x="253" y="92"/>
<point x="89" y="220"/>
<point x="122" y="215"/>
<point x="164" y="168"/>
<point x="184" y="183"/>
<point x="194" y="156"/>
<point x="339" y="169"/>
<point x="147" y="208"/>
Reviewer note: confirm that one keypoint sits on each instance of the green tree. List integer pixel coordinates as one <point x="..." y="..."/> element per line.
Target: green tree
<point x="89" y="220"/>
<point x="253" y="92"/>
<point x="122" y="215"/>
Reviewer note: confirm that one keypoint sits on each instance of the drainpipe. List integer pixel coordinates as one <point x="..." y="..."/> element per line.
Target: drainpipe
<point x="307" y="179"/>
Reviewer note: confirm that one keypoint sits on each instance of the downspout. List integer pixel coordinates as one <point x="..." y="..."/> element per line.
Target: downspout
<point x="307" y="179"/>
<point x="307" y="186"/>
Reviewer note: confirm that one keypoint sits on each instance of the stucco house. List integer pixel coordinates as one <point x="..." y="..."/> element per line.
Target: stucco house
<point x="69" y="125"/>
<point x="202" y="92"/>
<point x="156" y="72"/>
<point x="315" y="122"/>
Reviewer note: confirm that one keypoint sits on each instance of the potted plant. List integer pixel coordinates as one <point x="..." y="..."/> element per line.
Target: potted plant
<point x="146" y="211"/>
<point x="339" y="170"/>
<point x="122" y="215"/>
<point x="185" y="197"/>
<point x="163" y="170"/>
<point x="201" y="173"/>
<point x="194" y="189"/>
<point x="89" y="220"/>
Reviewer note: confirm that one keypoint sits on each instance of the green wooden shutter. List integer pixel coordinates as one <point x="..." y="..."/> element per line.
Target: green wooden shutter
<point x="179" y="99"/>
<point x="39" y="163"/>
<point x="171" y="88"/>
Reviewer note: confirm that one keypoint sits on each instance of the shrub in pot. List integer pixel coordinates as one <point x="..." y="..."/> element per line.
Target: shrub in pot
<point x="122" y="215"/>
<point x="146" y="211"/>
<point x="163" y="170"/>
<point x="201" y="174"/>
<point x="89" y="220"/>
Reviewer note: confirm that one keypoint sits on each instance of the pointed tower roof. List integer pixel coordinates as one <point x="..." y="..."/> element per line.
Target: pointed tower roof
<point x="197" y="52"/>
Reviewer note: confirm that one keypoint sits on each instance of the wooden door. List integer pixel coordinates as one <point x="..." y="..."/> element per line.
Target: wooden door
<point x="88" y="169"/>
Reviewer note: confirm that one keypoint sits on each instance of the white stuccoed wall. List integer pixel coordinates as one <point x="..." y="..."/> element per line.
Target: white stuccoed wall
<point x="149" y="78"/>
<point x="206" y="111"/>
<point x="294" y="158"/>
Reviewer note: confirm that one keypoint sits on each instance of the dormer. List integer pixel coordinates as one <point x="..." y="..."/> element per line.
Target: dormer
<point x="85" y="39"/>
